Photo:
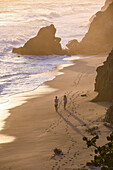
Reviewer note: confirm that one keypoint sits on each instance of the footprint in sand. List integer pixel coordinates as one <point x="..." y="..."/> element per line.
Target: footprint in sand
<point x="72" y="164"/>
<point x="75" y="154"/>
<point x="63" y="164"/>
<point x="69" y="148"/>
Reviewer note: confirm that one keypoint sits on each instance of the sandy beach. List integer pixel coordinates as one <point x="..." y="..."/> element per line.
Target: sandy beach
<point x="39" y="129"/>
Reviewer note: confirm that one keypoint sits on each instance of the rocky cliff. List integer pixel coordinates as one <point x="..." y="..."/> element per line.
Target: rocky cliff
<point x="104" y="80"/>
<point x="99" y="38"/>
<point x="107" y="3"/>
<point x="44" y="43"/>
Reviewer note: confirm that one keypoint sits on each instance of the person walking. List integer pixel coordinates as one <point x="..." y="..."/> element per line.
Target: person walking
<point x="56" y="103"/>
<point x="65" y="101"/>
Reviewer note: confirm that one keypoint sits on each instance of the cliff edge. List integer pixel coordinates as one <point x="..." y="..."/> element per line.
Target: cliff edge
<point x="99" y="38"/>
<point x="104" y="80"/>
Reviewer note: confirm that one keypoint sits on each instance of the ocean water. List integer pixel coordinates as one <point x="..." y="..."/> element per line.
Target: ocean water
<point x="21" y="20"/>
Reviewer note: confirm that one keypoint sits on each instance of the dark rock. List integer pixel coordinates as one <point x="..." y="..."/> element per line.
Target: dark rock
<point x="58" y="151"/>
<point x="109" y="115"/>
<point x="45" y="43"/>
<point x="99" y="38"/>
<point x="104" y="80"/>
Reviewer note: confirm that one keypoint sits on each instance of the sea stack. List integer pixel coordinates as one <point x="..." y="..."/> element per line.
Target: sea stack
<point x="44" y="43"/>
<point x="99" y="38"/>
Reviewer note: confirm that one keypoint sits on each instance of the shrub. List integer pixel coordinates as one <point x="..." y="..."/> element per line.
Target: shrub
<point x="103" y="154"/>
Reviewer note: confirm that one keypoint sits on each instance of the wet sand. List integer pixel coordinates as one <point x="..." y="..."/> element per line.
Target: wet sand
<point x="39" y="129"/>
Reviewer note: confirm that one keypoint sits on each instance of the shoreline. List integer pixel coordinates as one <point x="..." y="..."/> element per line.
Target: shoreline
<point x="21" y="98"/>
<point x="37" y="134"/>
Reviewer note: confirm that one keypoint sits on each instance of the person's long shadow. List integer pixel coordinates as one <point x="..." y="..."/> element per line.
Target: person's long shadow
<point x="70" y="124"/>
<point x="75" y="117"/>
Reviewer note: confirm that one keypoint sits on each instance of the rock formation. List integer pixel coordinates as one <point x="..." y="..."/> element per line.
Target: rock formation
<point x="107" y="3"/>
<point x="109" y="115"/>
<point x="44" y="43"/>
<point x="104" y="80"/>
<point x="99" y="38"/>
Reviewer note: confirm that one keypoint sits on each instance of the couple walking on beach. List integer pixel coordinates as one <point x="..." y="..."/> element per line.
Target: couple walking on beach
<point x="56" y="102"/>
